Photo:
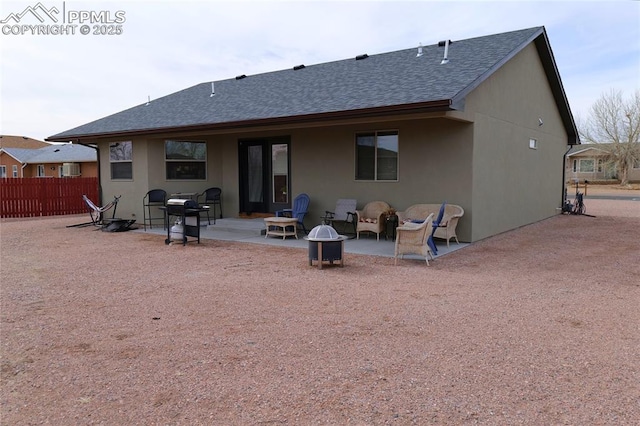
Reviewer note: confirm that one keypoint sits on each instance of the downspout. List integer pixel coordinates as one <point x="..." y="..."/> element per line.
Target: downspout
<point x="564" y="177"/>
<point x="22" y="169"/>
<point x="98" y="166"/>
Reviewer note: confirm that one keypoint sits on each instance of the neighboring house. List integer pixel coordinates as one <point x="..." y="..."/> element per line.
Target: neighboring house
<point x="589" y="162"/>
<point x="8" y="141"/>
<point x="485" y="128"/>
<point x="60" y="160"/>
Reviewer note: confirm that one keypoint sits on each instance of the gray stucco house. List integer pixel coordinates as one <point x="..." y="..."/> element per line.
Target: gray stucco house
<point x="485" y="127"/>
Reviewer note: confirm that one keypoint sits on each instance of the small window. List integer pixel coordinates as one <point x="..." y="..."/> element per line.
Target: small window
<point x="3" y="171"/>
<point x="636" y="163"/>
<point x="120" y="158"/>
<point x="377" y="156"/>
<point x="40" y="172"/>
<point x="533" y="143"/>
<point x="186" y="159"/>
<point x="14" y="170"/>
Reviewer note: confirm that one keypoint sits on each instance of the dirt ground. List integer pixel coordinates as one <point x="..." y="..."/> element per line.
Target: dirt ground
<point x="539" y="325"/>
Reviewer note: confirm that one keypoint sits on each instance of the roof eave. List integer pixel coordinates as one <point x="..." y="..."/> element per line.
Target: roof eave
<point x="549" y="64"/>
<point x="432" y="106"/>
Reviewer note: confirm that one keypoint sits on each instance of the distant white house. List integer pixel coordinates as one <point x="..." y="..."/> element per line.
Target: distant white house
<point x="589" y="162"/>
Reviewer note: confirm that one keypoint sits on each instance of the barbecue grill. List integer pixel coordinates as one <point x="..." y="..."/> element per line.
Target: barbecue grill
<point x="187" y="213"/>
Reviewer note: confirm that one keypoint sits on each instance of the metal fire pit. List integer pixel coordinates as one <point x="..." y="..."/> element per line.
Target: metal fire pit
<point x="325" y="244"/>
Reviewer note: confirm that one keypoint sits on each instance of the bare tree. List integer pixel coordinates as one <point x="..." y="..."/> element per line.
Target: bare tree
<point x="614" y="124"/>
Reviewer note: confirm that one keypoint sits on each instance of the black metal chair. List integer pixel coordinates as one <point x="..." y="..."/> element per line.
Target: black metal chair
<point x="154" y="198"/>
<point x="212" y="198"/>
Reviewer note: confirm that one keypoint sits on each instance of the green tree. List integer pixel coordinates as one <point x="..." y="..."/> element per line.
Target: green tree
<point x="614" y="124"/>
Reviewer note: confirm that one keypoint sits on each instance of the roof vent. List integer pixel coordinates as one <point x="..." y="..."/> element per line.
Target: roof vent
<point x="213" y="89"/>
<point x="148" y="101"/>
<point x="298" y="67"/>
<point x="361" y="57"/>
<point x="240" y="77"/>
<point x="419" y="50"/>
<point x="445" y="58"/>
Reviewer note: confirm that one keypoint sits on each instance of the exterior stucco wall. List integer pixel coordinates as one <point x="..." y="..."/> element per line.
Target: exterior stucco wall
<point x="514" y="185"/>
<point x="434" y="166"/>
<point x="149" y="172"/>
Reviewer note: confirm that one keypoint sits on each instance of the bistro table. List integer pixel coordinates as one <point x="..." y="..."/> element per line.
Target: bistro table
<point x="278" y="226"/>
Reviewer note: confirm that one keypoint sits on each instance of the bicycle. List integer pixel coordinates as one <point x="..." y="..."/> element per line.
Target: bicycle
<point x="578" y="207"/>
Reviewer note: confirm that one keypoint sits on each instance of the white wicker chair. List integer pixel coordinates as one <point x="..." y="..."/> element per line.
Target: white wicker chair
<point x="412" y="238"/>
<point x="449" y="223"/>
<point x="372" y="218"/>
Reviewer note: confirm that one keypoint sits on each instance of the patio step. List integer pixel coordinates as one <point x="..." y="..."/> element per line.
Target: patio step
<point x="235" y="225"/>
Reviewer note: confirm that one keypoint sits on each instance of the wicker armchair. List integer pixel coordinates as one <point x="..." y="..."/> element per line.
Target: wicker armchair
<point x="412" y="238"/>
<point x="372" y="218"/>
<point x="447" y="228"/>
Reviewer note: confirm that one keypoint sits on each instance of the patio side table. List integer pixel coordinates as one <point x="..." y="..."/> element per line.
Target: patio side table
<point x="279" y="225"/>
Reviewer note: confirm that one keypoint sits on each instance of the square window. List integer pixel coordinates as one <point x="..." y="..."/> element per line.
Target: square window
<point x="533" y="143"/>
<point x="185" y="160"/>
<point x="377" y="156"/>
<point x="120" y="159"/>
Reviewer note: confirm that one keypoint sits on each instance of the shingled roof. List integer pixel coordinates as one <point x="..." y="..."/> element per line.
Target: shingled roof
<point x="372" y="85"/>
<point x="10" y="141"/>
<point x="63" y="153"/>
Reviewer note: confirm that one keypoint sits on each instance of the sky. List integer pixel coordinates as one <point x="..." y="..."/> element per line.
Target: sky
<point x="51" y="83"/>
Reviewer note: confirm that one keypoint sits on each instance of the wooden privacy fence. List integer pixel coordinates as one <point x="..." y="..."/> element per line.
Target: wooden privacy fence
<point x="30" y="197"/>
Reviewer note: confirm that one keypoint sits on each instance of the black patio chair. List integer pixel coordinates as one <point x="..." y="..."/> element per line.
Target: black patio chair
<point x="154" y="198"/>
<point x="212" y="197"/>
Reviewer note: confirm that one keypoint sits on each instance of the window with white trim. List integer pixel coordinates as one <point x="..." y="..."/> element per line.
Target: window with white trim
<point x="3" y="171"/>
<point x="586" y="165"/>
<point x="40" y="171"/>
<point x="377" y="156"/>
<point x="121" y="160"/>
<point x="14" y="171"/>
<point x="185" y="160"/>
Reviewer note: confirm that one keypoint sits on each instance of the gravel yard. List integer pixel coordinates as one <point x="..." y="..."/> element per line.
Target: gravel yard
<point x="540" y="325"/>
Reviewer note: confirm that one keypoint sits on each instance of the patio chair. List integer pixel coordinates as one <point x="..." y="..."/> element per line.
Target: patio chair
<point x="413" y="238"/>
<point x="298" y="211"/>
<point x="446" y="229"/>
<point x="345" y="213"/>
<point x="372" y="218"/>
<point x="212" y="197"/>
<point x="154" y="198"/>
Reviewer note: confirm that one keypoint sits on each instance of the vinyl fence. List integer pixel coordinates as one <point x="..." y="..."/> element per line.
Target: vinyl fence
<point x="31" y="197"/>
